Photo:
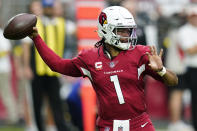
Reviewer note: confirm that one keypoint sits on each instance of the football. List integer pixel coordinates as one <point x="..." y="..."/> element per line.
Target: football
<point x="20" y="26"/>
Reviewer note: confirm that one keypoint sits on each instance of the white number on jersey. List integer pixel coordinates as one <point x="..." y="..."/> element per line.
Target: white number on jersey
<point x="115" y="80"/>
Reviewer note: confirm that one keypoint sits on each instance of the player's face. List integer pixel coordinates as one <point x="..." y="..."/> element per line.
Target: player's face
<point x="124" y="33"/>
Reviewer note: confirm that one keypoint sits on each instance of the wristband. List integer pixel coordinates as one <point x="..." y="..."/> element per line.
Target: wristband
<point x="162" y="72"/>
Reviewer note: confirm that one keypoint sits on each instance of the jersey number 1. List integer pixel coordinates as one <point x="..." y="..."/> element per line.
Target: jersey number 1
<point x="115" y="80"/>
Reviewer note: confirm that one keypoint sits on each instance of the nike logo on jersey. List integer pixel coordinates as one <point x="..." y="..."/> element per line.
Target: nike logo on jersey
<point x="144" y="125"/>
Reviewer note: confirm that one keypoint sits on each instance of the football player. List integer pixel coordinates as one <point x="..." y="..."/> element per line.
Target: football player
<point x="116" y="68"/>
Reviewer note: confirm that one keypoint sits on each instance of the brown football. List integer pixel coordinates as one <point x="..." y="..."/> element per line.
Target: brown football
<point x="20" y="26"/>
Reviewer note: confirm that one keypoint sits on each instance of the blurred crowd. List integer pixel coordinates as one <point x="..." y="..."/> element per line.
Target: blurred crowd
<point x="39" y="99"/>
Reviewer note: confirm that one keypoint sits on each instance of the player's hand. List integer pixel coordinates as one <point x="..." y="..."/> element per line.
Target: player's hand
<point x="155" y="60"/>
<point x="34" y="34"/>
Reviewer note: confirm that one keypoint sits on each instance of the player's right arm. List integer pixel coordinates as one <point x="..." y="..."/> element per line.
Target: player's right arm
<point x="57" y="64"/>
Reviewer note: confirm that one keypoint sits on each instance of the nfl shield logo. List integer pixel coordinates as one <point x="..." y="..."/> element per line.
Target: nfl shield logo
<point x="120" y="128"/>
<point x="111" y="64"/>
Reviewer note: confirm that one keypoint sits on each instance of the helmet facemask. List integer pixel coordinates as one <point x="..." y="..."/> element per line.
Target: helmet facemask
<point x="124" y="37"/>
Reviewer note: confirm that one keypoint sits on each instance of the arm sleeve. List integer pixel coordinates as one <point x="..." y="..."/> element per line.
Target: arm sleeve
<point x="57" y="64"/>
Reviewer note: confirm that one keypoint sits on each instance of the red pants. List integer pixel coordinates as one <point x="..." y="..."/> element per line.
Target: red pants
<point x="140" y="123"/>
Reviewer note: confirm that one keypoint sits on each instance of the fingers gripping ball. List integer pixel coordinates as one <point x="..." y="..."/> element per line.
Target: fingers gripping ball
<point x="20" y="26"/>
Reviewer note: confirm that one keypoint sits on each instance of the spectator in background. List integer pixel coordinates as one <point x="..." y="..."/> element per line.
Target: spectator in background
<point x="26" y="73"/>
<point x="24" y="99"/>
<point x="45" y="83"/>
<point x="188" y="42"/>
<point x="6" y="91"/>
<point x="71" y="42"/>
<point x="175" y="61"/>
<point x="34" y="7"/>
<point x="72" y="101"/>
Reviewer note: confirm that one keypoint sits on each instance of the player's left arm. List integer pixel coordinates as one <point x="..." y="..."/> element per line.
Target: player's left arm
<point x="156" y="64"/>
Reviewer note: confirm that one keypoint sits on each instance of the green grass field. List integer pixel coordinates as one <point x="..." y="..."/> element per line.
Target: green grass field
<point x="11" y="129"/>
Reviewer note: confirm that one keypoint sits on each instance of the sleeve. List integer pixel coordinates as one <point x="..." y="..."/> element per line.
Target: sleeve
<point x="148" y="70"/>
<point x="57" y="64"/>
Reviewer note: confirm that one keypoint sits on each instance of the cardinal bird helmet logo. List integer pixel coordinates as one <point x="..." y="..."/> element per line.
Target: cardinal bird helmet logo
<point x="102" y="18"/>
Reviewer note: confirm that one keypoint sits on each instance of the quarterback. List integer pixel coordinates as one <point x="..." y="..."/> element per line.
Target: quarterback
<point x="116" y="68"/>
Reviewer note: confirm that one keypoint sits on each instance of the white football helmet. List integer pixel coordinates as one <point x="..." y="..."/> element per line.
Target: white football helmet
<point x="112" y="18"/>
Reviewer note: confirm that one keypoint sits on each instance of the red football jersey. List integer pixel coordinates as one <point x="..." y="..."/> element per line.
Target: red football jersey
<point x="118" y="82"/>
